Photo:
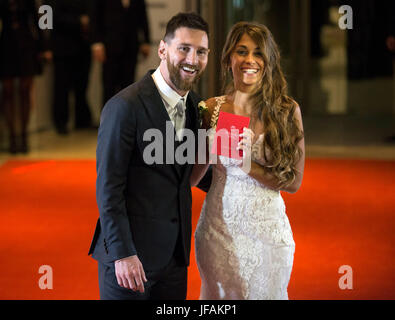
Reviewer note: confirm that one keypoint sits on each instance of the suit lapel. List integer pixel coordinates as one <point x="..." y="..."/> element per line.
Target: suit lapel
<point x="191" y="124"/>
<point x="153" y="103"/>
<point x="157" y="113"/>
<point x="193" y="112"/>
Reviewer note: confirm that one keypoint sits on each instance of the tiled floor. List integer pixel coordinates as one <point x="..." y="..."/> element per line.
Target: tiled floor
<point x="350" y="137"/>
<point x="49" y="145"/>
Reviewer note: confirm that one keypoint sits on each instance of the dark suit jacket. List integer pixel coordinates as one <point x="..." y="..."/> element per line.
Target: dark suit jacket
<point x="21" y="40"/>
<point x="117" y="27"/>
<point x="67" y="37"/>
<point x="143" y="208"/>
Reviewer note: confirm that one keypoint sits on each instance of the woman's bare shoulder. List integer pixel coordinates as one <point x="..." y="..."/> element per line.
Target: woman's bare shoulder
<point x="298" y="111"/>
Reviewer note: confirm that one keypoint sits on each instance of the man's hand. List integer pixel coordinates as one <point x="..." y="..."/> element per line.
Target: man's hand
<point x="130" y="273"/>
<point x="391" y="43"/>
<point x="46" y="55"/>
<point x="145" y="49"/>
<point x="99" y="52"/>
<point x="84" y="21"/>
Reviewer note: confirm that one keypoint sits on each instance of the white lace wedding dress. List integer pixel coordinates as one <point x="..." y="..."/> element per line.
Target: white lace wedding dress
<point x="244" y="243"/>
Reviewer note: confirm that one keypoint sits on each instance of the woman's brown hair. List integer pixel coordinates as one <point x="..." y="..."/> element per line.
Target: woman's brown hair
<point x="271" y="103"/>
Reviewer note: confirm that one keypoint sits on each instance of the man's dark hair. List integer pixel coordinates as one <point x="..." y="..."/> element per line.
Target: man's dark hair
<point x="189" y="20"/>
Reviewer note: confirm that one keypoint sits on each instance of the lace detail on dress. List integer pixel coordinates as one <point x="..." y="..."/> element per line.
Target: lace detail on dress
<point x="244" y="242"/>
<point x="214" y="117"/>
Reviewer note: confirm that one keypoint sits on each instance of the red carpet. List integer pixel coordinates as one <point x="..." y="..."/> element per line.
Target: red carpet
<point x="342" y="215"/>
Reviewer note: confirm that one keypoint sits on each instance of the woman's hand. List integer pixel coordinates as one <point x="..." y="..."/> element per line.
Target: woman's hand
<point x="246" y="141"/>
<point x="245" y="145"/>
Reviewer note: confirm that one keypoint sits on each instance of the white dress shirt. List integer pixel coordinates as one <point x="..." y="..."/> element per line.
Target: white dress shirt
<point x="170" y="98"/>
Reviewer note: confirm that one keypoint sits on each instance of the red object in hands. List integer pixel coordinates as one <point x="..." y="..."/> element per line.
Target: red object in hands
<point x="226" y="139"/>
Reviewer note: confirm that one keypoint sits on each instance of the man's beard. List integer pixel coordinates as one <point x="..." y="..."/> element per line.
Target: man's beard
<point x="177" y="80"/>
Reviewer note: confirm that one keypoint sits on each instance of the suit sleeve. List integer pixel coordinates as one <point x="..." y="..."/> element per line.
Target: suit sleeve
<point x="96" y="14"/>
<point x="64" y="20"/>
<point x="116" y="139"/>
<point x="42" y="41"/>
<point x="2" y="9"/>
<point x="144" y="23"/>
<point x="205" y="182"/>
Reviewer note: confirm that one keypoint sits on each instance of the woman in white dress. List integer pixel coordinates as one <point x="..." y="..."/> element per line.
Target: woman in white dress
<point x="244" y="242"/>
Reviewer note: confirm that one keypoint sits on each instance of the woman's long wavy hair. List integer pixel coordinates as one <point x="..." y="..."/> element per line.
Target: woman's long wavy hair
<point x="271" y="103"/>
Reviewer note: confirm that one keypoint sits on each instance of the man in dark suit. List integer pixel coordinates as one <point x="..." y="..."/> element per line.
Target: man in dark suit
<point x="120" y="30"/>
<point x="72" y="60"/>
<point x="143" y="237"/>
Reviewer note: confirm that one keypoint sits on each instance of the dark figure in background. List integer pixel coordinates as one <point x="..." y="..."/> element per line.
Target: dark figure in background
<point x="21" y="45"/>
<point x="72" y="59"/>
<point x="390" y="27"/>
<point x="119" y="32"/>
<point x="367" y="54"/>
<point x="319" y="17"/>
<point x="390" y="42"/>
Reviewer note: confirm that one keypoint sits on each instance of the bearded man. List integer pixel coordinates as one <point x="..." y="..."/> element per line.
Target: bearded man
<point x="142" y="239"/>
